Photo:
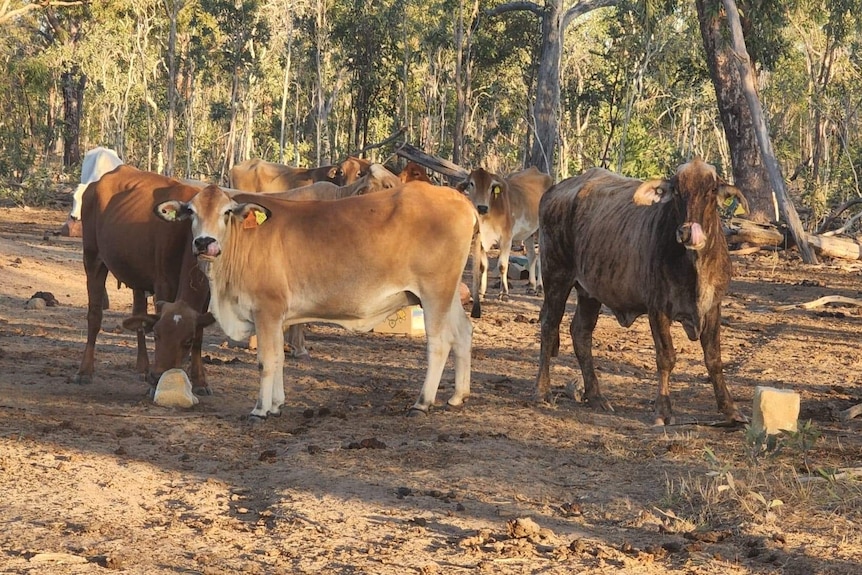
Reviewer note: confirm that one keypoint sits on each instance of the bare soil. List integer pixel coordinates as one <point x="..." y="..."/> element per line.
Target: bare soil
<point x="98" y="477"/>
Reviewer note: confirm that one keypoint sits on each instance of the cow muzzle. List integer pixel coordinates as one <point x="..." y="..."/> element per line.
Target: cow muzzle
<point x="691" y="235"/>
<point x="483" y="210"/>
<point x="206" y="247"/>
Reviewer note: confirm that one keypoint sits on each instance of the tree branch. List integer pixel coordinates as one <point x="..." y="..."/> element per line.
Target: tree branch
<point x="514" y="7"/>
<point x="6" y="14"/>
<point x="582" y="8"/>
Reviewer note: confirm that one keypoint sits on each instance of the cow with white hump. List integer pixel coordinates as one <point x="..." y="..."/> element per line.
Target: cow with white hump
<point x="385" y="251"/>
<point x="508" y="211"/>
<point x="97" y="162"/>
<point x="654" y="248"/>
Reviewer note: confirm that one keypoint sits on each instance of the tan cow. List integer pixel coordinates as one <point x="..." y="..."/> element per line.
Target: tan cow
<point x="508" y="211"/>
<point x="378" y="178"/>
<point x="375" y="179"/>
<point x="383" y="251"/>
<point x="264" y="177"/>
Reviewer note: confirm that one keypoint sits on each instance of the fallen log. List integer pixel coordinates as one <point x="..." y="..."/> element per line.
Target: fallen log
<point x="852" y="412"/>
<point x="819" y="302"/>
<point x="739" y="230"/>
<point x="835" y="247"/>
<point x="453" y="171"/>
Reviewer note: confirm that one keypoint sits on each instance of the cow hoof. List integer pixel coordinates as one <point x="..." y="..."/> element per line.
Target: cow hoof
<point x="455" y="407"/>
<point x="416" y="412"/>
<point x="151" y="393"/>
<point x="736" y="418"/>
<point x="663" y="420"/>
<point x="504" y="297"/>
<point x="82" y="379"/>
<point x="276" y="413"/>
<point x="599" y="401"/>
<point x="254" y="419"/>
<point x="203" y="390"/>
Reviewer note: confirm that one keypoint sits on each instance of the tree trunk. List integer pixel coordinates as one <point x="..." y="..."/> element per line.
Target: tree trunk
<point x="546" y="105"/>
<point x="73" y="82"/>
<point x="746" y="74"/>
<point x="172" y="9"/>
<point x="749" y="172"/>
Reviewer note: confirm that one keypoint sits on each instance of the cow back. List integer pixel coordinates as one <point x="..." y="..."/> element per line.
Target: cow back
<point x="139" y="249"/>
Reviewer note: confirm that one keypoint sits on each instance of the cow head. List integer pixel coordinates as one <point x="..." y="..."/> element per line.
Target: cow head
<point x="413" y="171"/>
<point x="484" y="189"/>
<point x="352" y="169"/>
<point x="174" y="330"/>
<point x="695" y="192"/>
<point x="212" y="211"/>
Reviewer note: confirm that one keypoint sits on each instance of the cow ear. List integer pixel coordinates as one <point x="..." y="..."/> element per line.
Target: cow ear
<point x="462" y="186"/>
<point x="726" y="196"/>
<point x="333" y="172"/>
<point x="652" y="192"/>
<point x="140" y="322"/>
<point x="206" y="320"/>
<point x="252" y="215"/>
<point x="172" y="211"/>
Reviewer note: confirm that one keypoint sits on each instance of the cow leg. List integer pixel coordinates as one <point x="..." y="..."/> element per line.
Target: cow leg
<point x="97" y="274"/>
<point x="296" y="341"/>
<point x="553" y="309"/>
<point x="534" y="267"/>
<point x="462" y="345"/>
<point x="480" y="265"/>
<point x="583" y="324"/>
<point x="196" y="365"/>
<point x="710" y="341"/>
<point x="665" y="358"/>
<point x="139" y="309"/>
<point x="443" y="328"/>
<point x="503" y="264"/>
<point x="270" y="357"/>
<point x="483" y="272"/>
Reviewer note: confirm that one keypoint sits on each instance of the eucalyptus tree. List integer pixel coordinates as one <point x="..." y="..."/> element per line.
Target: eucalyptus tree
<point x="555" y="18"/>
<point x="65" y="28"/>
<point x="242" y="36"/>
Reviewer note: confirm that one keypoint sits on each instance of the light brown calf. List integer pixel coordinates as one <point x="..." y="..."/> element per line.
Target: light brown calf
<point x="508" y="211"/>
<point x="383" y="251"/>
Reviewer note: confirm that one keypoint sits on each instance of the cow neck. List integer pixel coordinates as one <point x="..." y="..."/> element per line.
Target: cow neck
<point x="228" y="268"/>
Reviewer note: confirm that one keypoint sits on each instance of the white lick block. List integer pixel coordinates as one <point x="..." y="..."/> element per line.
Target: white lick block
<point x="175" y="390"/>
<point x="774" y="410"/>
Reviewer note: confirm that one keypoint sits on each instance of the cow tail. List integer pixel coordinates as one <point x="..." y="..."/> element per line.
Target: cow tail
<point x="477" y="267"/>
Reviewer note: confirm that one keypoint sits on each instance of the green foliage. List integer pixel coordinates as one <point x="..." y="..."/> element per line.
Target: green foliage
<point x="635" y="90"/>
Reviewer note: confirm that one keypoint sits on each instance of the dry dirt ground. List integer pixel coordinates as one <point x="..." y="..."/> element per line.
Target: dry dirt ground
<point x="98" y="477"/>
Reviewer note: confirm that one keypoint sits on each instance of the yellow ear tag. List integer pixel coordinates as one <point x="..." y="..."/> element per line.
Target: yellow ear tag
<point x="253" y="219"/>
<point x="170" y="215"/>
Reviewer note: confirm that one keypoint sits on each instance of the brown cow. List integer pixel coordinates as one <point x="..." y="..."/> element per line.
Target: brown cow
<point x="383" y="251"/>
<point x="414" y="172"/>
<point x="508" y="211"/>
<point x="264" y="177"/>
<point x="654" y="248"/>
<point x="122" y="235"/>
